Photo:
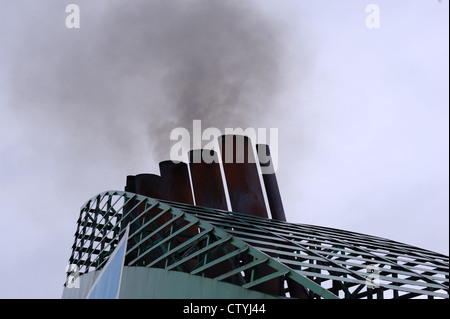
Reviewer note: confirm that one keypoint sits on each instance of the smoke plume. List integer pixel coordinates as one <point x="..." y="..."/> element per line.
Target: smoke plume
<point x="137" y="69"/>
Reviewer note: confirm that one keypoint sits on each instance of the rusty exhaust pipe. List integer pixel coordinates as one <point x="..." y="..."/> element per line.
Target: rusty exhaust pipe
<point x="245" y="192"/>
<point x="241" y="175"/>
<point x="207" y="179"/>
<point x="176" y="185"/>
<point x="148" y="185"/>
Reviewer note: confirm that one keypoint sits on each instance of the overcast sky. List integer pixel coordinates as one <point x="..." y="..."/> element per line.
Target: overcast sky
<point x="362" y="113"/>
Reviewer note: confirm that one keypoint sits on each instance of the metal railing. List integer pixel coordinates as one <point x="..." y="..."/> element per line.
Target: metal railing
<point x="274" y="257"/>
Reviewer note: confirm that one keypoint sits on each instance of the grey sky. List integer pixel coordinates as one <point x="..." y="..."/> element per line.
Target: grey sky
<point x="363" y="114"/>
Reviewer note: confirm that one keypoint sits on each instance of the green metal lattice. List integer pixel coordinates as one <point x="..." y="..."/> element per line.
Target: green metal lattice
<point x="294" y="260"/>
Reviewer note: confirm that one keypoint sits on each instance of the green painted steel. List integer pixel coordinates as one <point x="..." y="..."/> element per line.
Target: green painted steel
<point x="157" y="283"/>
<point x="142" y="282"/>
<point x="251" y="252"/>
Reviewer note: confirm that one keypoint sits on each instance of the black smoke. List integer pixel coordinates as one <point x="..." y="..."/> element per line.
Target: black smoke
<point x="137" y="69"/>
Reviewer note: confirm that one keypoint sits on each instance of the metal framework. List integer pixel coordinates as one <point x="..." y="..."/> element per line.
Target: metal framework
<point x="297" y="260"/>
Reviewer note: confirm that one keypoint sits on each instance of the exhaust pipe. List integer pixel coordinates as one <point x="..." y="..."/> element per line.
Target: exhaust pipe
<point x="207" y="179"/>
<point x="173" y="185"/>
<point x="270" y="182"/>
<point x="241" y="175"/>
<point x="176" y="187"/>
<point x="176" y="184"/>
